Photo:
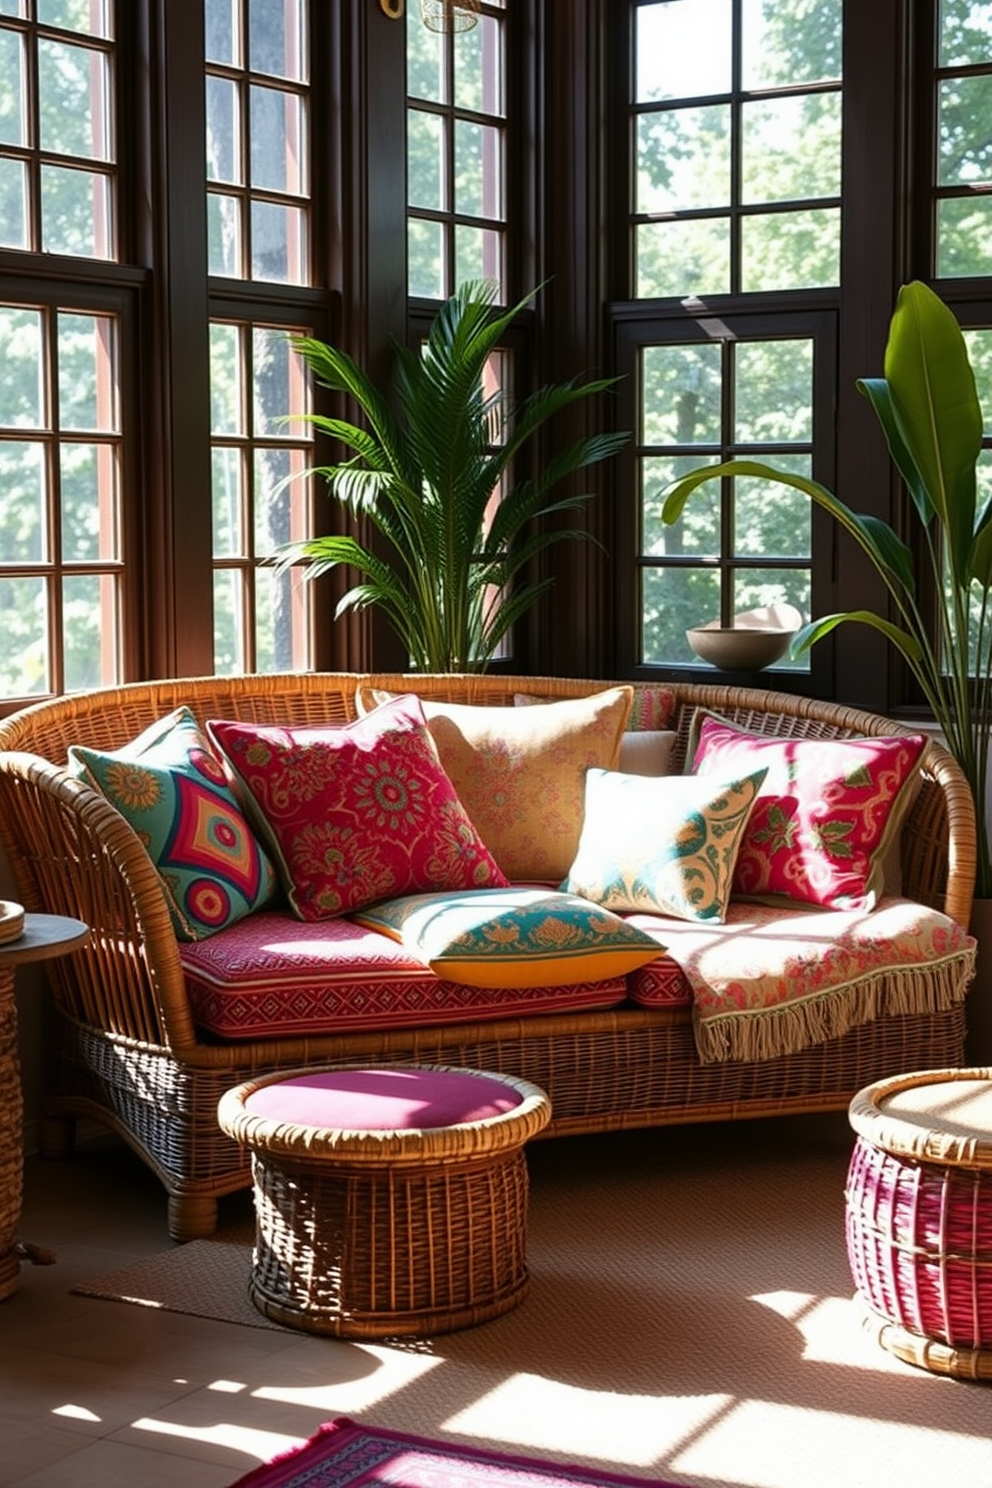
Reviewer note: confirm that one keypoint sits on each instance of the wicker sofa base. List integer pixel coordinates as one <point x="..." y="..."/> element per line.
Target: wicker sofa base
<point x="608" y="1071"/>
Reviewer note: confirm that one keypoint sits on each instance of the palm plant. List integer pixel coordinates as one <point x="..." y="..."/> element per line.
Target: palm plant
<point x="928" y="408"/>
<point x="433" y="470"/>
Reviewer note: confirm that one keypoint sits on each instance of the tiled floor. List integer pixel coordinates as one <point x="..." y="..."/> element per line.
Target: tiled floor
<point x="103" y="1393"/>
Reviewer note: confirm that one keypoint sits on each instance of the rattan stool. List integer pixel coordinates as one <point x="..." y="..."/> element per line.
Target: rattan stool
<point x="919" y="1217"/>
<point x="388" y="1202"/>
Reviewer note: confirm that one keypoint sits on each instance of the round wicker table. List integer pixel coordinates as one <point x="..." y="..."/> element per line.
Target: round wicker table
<point x="40" y="937"/>
<point x="388" y="1202"/>
<point x="919" y="1217"/>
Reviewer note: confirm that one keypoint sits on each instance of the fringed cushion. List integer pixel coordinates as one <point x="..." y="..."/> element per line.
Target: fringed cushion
<point x="274" y="976"/>
<point x="772" y="981"/>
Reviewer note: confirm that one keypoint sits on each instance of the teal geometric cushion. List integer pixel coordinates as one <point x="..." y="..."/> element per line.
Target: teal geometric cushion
<point x="666" y="844"/>
<point x="513" y="937"/>
<point x="170" y="786"/>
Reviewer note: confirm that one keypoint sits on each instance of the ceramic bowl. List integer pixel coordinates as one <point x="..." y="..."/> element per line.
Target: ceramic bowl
<point x="739" y="648"/>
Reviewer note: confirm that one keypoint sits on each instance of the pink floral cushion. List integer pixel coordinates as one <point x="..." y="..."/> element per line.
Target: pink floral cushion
<point x="356" y="812"/>
<point x="825" y="816"/>
<point x="274" y="976"/>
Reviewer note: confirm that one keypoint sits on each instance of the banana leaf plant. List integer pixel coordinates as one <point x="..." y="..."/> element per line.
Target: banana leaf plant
<point x="928" y="408"/>
<point x="437" y="469"/>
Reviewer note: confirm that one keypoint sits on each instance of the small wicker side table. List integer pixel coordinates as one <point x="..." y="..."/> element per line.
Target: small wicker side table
<point x="41" y="937"/>
<point x="919" y="1217"/>
<point x="389" y="1201"/>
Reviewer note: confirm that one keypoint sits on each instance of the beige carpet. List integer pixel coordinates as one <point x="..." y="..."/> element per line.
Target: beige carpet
<point x="690" y="1301"/>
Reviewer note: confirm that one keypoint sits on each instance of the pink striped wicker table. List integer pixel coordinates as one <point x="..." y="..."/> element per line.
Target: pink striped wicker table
<point x="388" y="1201"/>
<point x="919" y="1217"/>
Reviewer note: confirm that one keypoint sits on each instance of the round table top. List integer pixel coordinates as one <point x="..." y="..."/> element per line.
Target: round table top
<point x="44" y="935"/>
<point x="942" y="1116"/>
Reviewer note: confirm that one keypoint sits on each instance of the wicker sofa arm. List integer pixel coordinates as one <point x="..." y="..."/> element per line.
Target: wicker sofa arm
<point x="70" y="852"/>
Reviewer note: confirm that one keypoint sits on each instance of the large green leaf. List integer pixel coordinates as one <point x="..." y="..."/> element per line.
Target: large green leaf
<point x="936" y="407"/>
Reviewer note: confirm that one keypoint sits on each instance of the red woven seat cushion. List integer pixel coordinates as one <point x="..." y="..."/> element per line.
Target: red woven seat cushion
<point x="272" y="975"/>
<point x="383" y="1099"/>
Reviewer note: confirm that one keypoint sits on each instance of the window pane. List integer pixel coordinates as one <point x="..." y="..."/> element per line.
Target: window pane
<point x="92" y="16"/>
<point x="89" y="603"/>
<point x="13" y="119"/>
<point x="229" y="634"/>
<point x="89" y="502"/>
<point x="223" y="131"/>
<point x="224" y="251"/>
<point x="277" y="142"/>
<point x="965" y="32"/>
<point x="280" y="385"/>
<point x="223" y="41"/>
<point x="227" y="502"/>
<point x="281" y="499"/>
<point x="479" y="68"/>
<point x="425" y="259"/>
<point x="13" y="204"/>
<point x="226" y="380"/>
<point x="275" y="38"/>
<point x="791" y="148"/>
<point x="425" y="76"/>
<point x="790" y="42"/>
<point x="964" y="107"/>
<point x="673" y="599"/>
<point x="773" y="392"/>
<point x="478" y="254"/>
<point x="75" y="213"/>
<point x="278" y="243"/>
<point x="964" y="236"/>
<point x="773" y="521"/>
<point x="281" y="621"/>
<point x="478" y="177"/>
<point x="683" y="159"/>
<point x="683" y="258"/>
<point x="979" y="344"/>
<point x="425" y="160"/>
<point x="754" y="588"/>
<point x="23" y="534"/>
<point x="87" y="382"/>
<point x="680" y="394"/>
<point x="671" y="62"/>
<point x="697" y="533"/>
<point x="24" y="657"/>
<point x="790" y="250"/>
<point x="22" y="388"/>
<point x="72" y="103"/>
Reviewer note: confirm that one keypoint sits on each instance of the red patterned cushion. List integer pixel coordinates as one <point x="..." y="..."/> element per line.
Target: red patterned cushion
<point x="383" y="1099"/>
<point x="357" y="812"/>
<point x="271" y="976"/>
<point x="826" y="813"/>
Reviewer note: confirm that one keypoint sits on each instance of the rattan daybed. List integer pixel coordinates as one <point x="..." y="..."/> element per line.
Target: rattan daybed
<point x="130" y="1055"/>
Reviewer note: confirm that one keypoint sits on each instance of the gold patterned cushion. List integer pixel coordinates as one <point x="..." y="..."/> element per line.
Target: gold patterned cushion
<point x="520" y="772"/>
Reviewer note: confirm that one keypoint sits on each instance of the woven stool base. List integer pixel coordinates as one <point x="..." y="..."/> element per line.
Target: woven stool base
<point x="389" y="1250"/>
<point x="926" y="1353"/>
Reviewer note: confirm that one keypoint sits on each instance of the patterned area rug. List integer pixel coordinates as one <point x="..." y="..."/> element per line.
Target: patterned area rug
<point x="345" y="1454"/>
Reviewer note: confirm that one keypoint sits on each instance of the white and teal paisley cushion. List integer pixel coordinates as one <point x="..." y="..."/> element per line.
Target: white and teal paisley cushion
<point x="513" y="937"/>
<point x="170" y="786"/>
<point x="666" y="844"/>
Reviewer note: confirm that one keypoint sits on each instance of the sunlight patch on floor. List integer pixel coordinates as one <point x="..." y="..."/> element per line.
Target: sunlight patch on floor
<point x="760" y="1444"/>
<point x="262" y="1445"/>
<point x="638" y="1430"/>
<point x="832" y="1331"/>
<point x="342" y="1394"/>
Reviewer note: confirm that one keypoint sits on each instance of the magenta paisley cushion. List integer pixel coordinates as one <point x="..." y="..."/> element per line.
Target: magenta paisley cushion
<point x="356" y="812"/>
<point x="274" y="976"/>
<point x="170" y="786"/>
<point x="826" y="815"/>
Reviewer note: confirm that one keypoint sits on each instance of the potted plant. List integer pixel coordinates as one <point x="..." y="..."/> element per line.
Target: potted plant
<point x="928" y="408"/>
<point x="436" y="469"/>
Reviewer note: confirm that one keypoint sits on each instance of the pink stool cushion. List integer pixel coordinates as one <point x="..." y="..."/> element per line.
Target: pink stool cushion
<point x="383" y="1099"/>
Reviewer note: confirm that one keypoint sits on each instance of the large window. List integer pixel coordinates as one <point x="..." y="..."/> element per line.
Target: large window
<point x="456" y="152"/>
<point x="62" y="449"/>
